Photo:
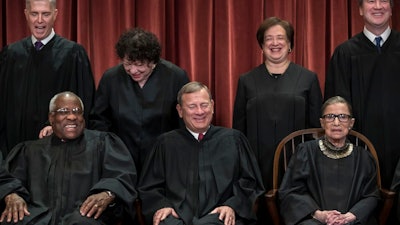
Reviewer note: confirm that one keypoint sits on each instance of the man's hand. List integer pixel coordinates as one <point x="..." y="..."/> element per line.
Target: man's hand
<point x="226" y="214"/>
<point x="16" y="208"/>
<point x="46" y="131"/>
<point x="96" y="204"/>
<point x="161" y="214"/>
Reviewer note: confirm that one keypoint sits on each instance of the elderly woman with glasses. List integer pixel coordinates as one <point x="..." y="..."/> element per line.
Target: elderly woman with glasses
<point x="329" y="180"/>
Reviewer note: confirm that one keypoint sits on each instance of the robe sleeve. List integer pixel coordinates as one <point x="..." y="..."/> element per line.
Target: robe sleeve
<point x="296" y="203"/>
<point x="10" y="184"/>
<point x="239" y="110"/>
<point x="14" y="172"/>
<point x="248" y="186"/>
<point x="338" y="80"/>
<point x="83" y="83"/>
<point x="118" y="171"/>
<point x="101" y="112"/>
<point x="368" y="202"/>
<point x="314" y="103"/>
<point x="3" y="145"/>
<point x="152" y="183"/>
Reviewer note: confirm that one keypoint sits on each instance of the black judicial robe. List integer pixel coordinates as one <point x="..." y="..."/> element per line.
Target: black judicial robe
<point x="7" y="183"/>
<point x="30" y="78"/>
<point x="60" y="175"/>
<point x="313" y="181"/>
<point x="138" y="115"/>
<point x="196" y="177"/>
<point x="267" y="108"/>
<point x="370" y="82"/>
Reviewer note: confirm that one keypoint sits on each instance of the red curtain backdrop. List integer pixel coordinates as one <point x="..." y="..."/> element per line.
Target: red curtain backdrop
<point x="213" y="40"/>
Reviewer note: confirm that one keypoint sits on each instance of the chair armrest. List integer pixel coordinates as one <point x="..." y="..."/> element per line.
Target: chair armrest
<point x="388" y="199"/>
<point x="272" y="205"/>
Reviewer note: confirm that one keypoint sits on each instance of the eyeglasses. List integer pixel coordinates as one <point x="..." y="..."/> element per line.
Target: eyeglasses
<point x="341" y="117"/>
<point x="66" y="111"/>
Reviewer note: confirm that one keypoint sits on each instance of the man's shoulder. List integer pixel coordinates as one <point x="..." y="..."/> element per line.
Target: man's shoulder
<point x="356" y="42"/>
<point x="64" y="44"/>
<point x="18" y="45"/>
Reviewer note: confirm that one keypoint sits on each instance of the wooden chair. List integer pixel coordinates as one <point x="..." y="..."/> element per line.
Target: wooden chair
<point x="287" y="147"/>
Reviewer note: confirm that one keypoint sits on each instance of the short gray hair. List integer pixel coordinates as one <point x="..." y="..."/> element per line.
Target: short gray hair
<point x="334" y="100"/>
<point x="53" y="3"/>
<point x="192" y="87"/>
<point x="52" y="105"/>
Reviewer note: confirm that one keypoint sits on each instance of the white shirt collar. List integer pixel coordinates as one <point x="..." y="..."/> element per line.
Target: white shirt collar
<point x="371" y="36"/>
<point x="46" y="40"/>
<point x="195" y="135"/>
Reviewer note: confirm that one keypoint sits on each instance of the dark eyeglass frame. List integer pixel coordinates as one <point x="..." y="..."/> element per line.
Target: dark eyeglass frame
<point x="341" y="117"/>
<point x="65" y="111"/>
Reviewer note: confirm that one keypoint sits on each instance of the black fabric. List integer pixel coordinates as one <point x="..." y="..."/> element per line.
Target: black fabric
<point x="60" y="175"/>
<point x="138" y="115"/>
<point x="30" y="78"/>
<point x="370" y="82"/>
<point x="313" y="181"/>
<point x="196" y="177"/>
<point x="268" y="108"/>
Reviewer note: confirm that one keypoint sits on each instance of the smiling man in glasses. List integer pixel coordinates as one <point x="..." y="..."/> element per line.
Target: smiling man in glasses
<point x="75" y="176"/>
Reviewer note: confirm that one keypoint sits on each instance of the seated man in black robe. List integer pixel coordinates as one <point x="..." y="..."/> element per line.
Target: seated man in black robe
<point x="75" y="176"/>
<point x="201" y="174"/>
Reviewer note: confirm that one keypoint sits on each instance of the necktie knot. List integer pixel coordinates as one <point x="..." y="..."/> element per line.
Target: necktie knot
<point x="378" y="43"/>
<point x="38" y="45"/>
<point x="200" y="137"/>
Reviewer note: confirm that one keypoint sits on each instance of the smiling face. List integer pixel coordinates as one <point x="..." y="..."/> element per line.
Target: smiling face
<point x="196" y="110"/>
<point x="336" y="131"/>
<point x="40" y="16"/>
<point x="376" y="15"/>
<point x="276" y="44"/>
<point x="67" y="118"/>
<point x="138" y="71"/>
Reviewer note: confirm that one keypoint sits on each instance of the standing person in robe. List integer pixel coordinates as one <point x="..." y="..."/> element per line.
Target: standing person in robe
<point x="329" y="180"/>
<point x="75" y="176"/>
<point x="29" y="78"/>
<point x="136" y="99"/>
<point x="368" y="77"/>
<point x="275" y="98"/>
<point x="201" y="174"/>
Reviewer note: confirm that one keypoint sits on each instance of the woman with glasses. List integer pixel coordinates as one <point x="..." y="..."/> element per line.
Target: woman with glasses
<point x="329" y="180"/>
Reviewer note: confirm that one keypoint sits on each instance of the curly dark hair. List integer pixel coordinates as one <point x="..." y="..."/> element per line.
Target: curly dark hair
<point x="270" y="22"/>
<point x="138" y="45"/>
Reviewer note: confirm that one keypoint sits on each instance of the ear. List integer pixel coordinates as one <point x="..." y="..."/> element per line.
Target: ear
<point x="321" y="121"/>
<point x="51" y="118"/>
<point x="179" y="109"/>
<point x="351" y="124"/>
<point x="26" y="14"/>
<point x="55" y="14"/>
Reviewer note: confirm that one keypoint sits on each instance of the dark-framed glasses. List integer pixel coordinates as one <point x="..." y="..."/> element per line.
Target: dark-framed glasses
<point x="341" y="117"/>
<point x="65" y="111"/>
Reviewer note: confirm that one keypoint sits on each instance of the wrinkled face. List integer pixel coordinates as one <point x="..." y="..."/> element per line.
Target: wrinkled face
<point x="40" y="17"/>
<point x="138" y="70"/>
<point x="67" y="119"/>
<point x="376" y="13"/>
<point x="196" y="110"/>
<point x="337" y="130"/>
<point x="276" y="44"/>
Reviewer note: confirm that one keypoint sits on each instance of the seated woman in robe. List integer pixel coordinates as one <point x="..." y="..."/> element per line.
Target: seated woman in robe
<point x="329" y="180"/>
